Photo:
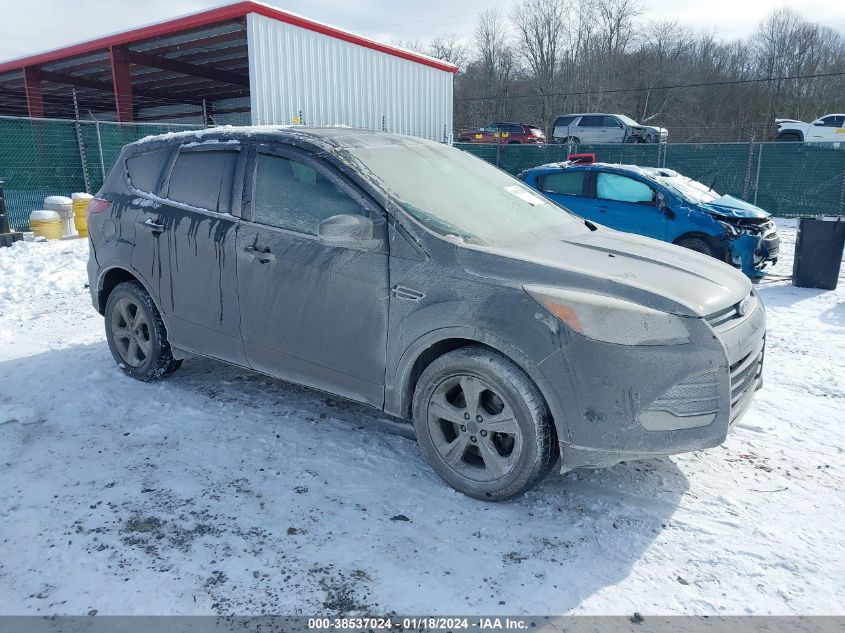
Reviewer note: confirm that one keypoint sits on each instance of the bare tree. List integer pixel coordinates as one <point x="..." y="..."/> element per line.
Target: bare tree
<point x="495" y="60"/>
<point x="595" y="55"/>
<point x="541" y="29"/>
<point x="450" y="49"/>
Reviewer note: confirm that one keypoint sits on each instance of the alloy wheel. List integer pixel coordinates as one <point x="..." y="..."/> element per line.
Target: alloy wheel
<point x="474" y="428"/>
<point x="131" y="332"/>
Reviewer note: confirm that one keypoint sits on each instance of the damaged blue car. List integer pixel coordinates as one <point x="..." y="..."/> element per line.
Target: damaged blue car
<point x="662" y="204"/>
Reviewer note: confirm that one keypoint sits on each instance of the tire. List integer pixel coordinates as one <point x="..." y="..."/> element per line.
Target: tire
<point x="136" y="334"/>
<point x="697" y="244"/>
<point x="467" y="453"/>
<point x="574" y="140"/>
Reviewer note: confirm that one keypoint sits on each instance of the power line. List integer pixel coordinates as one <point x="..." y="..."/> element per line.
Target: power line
<point x="727" y="82"/>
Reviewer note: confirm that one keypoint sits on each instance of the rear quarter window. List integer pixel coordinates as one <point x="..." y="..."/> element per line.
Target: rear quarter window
<point x="144" y="170"/>
<point x="563" y="182"/>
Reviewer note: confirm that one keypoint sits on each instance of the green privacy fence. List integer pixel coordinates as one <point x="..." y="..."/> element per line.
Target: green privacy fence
<point x="786" y="179"/>
<point x="43" y="157"/>
<point x="46" y="157"/>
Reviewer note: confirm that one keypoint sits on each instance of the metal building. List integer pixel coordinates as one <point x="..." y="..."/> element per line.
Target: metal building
<point x="241" y="63"/>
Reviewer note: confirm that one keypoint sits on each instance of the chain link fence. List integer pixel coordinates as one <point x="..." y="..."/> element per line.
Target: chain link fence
<point x="786" y="179"/>
<point x="47" y="157"/>
<point x="43" y="157"/>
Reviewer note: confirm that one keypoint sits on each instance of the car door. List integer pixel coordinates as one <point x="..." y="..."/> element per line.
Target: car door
<point x="140" y="219"/>
<point x="311" y="313"/>
<point x="589" y="129"/>
<point x="613" y="130"/>
<point x="829" y="128"/>
<point x="628" y="204"/>
<point x="196" y="227"/>
<point x="568" y="188"/>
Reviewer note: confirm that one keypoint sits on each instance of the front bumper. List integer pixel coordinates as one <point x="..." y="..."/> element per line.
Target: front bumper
<point x="624" y="403"/>
<point x="752" y="250"/>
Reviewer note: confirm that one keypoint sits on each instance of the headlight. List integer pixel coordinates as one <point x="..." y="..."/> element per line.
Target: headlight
<point x="610" y="320"/>
<point x="731" y="229"/>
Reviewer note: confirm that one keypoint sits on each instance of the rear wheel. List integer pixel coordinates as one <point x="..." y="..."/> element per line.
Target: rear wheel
<point x="697" y="244"/>
<point x="482" y="424"/>
<point x="136" y="335"/>
<point x="573" y="140"/>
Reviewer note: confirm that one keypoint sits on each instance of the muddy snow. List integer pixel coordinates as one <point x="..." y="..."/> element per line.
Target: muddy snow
<point x="220" y="490"/>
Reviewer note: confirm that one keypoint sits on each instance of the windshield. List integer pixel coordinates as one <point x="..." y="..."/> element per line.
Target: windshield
<point x="689" y="189"/>
<point x="461" y="197"/>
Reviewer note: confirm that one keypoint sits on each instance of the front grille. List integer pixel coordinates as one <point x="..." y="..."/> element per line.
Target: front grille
<point x="745" y="374"/>
<point x="772" y="244"/>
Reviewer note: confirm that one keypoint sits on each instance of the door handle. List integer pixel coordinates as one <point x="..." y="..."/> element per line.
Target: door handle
<point x="154" y="227"/>
<point x="262" y="256"/>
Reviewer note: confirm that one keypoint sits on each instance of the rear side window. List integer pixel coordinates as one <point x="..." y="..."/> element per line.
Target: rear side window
<point x="591" y="121"/>
<point x="292" y="195"/>
<point x="564" y="182"/>
<point x="564" y="121"/>
<point x="144" y="170"/>
<point x="623" y="189"/>
<point x="203" y="178"/>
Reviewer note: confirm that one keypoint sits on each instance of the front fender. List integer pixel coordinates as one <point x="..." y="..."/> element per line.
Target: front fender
<point x="399" y="392"/>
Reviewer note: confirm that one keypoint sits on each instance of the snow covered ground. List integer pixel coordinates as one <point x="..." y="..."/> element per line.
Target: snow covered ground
<point x="223" y="491"/>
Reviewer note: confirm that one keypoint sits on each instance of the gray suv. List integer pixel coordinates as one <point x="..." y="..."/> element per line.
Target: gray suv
<point x="592" y="128"/>
<point x="416" y="278"/>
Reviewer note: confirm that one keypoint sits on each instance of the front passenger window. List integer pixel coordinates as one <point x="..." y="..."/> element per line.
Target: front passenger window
<point x="623" y="189"/>
<point x="292" y="195"/>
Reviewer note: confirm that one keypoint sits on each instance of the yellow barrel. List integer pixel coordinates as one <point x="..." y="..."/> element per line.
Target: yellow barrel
<point x="46" y="224"/>
<point x="80" y="208"/>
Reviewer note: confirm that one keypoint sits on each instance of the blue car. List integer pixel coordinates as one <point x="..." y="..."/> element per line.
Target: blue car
<point x="663" y="204"/>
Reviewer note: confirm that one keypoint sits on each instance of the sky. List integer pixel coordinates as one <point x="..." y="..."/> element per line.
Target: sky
<point x="40" y="25"/>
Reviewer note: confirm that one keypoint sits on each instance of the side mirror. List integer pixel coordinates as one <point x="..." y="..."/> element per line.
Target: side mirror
<point x="819" y="122"/>
<point x="348" y="231"/>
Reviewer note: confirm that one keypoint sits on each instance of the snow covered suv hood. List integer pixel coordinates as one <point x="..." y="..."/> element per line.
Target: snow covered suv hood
<point x="627" y="266"/>
<point x="730" y="207"/>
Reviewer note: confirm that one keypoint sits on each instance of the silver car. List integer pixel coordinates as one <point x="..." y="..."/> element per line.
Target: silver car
<point x="593" y="128"/>
<point x="413" y="277"/>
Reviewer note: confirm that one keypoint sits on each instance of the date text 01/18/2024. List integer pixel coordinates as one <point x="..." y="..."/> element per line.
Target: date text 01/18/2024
<point x="419" y="623"/>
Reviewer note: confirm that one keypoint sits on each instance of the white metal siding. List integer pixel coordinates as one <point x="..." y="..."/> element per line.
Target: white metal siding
<point x="294" y="71"/>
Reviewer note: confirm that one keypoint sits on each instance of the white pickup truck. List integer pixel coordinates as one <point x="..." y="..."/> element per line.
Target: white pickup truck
<point x="830" y="127"/>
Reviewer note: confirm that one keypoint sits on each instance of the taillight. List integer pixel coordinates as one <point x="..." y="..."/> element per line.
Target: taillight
<point x="97" y="205"/>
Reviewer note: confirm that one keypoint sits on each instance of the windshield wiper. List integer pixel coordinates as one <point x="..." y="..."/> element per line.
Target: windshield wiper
<point x="590" y="225"/>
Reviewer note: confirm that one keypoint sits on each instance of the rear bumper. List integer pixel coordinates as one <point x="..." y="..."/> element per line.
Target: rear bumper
<point x="622" y="403"/>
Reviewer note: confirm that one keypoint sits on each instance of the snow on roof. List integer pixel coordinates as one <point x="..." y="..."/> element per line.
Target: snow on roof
<point x="210" y="16"/>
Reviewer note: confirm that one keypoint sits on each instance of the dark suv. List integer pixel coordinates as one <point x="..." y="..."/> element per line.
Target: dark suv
<point x="416" y="278"/>
<point x="504" y="133"/>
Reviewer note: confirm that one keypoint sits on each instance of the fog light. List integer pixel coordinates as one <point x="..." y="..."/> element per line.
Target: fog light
<point x="689" y="404"/>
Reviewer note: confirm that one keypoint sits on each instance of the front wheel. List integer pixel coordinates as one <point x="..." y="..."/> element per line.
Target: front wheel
<point x="136" y="335"/>
<point x="482" y="424"/>
<point x="697" y="244"/>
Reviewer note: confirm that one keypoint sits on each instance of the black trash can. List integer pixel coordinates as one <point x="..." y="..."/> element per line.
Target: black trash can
<point x="818" y="252"/>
